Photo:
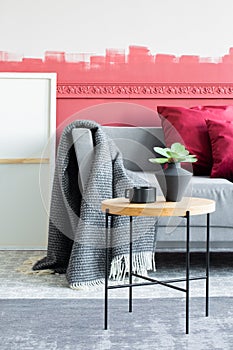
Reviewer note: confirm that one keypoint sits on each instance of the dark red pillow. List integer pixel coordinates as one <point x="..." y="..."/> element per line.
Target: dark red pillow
<point x="188" y="126"/>
<point x="221" y="136"/>
<point x="221" y="112"/>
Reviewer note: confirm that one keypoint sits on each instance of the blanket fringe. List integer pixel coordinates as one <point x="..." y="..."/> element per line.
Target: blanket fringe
<point x="95" y="284"/>
<point x="141" y="263"/>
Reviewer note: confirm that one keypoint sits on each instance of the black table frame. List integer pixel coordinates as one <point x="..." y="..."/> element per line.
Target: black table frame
<point x="152" y="281"/>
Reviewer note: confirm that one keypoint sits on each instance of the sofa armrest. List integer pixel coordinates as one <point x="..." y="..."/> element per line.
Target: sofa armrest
<point x="84" y="149"/>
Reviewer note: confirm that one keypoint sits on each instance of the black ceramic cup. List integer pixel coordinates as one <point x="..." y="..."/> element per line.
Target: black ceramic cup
<point x="138" y="194"/>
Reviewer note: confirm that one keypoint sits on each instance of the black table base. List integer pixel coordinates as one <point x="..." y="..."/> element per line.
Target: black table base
<point x="152" y="281"/>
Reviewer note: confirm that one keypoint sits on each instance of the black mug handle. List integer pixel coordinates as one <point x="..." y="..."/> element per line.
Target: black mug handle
<point x="127" y="193"/>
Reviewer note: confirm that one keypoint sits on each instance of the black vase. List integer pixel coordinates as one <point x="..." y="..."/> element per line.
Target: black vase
<point x="173" y="181"/>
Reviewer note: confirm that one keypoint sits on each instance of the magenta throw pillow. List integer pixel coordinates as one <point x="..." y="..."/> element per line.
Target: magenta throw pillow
<point x="188" y="126"/>
<point x="221" y="136"/>
<point x="220" y="112"/>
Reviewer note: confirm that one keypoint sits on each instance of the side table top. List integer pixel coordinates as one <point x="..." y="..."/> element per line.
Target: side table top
<point x="195" y="206"/>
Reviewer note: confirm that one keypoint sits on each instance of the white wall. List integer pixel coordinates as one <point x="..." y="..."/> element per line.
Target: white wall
<point x="201" y="27"/>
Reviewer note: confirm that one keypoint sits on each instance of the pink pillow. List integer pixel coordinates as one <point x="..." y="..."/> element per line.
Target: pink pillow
<point x="188" y="126"/>
<point x="221" y="136"/>
<point x="221" y="112"/>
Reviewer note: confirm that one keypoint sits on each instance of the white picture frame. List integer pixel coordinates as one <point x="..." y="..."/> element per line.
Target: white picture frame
<point x="27" y="157"/>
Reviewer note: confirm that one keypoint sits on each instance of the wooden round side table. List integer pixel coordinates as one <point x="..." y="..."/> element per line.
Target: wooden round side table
<point x="186" y="208"/>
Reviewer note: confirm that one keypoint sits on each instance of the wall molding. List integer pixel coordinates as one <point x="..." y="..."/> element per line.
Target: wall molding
<point x="145" y="90"/>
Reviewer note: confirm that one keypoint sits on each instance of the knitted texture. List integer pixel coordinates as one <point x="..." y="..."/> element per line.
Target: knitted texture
<point x="76" y="240"/>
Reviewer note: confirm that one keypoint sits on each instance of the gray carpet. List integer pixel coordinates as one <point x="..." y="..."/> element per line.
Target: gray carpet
<point x="78" y="324"/>
<point x="41" y="312"/>
<point x="17" y="285"/>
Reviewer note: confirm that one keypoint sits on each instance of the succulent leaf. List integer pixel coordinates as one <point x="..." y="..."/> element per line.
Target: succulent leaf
<point x="176" y="154"/>
<point x="159" y="160"/>
<point x="179" y="149"/>
<point x="163" y="151"/>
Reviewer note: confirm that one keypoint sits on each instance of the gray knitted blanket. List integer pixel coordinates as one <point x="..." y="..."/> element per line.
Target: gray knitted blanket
<point x="76" y="240"/>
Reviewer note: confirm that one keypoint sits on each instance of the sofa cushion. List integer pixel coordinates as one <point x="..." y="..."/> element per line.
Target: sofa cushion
<point x="221" y="136"/>
<point x="220" y="190"/>
<point x="188" y="126"/>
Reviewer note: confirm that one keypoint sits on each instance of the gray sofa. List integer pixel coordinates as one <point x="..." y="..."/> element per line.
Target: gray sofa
<point x="136" y="145"/>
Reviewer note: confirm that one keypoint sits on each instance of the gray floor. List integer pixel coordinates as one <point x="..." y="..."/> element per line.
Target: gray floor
<point x="14" y="284"/>
<point x="154" y="324"/>
<point x="40" y="311"/>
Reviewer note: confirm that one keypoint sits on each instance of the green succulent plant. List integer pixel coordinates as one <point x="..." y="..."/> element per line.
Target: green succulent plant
<point x="176" y="154"/>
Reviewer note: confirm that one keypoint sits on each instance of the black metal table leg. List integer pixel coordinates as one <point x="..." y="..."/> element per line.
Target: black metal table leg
<point x="153" y="281"/>
<point x="130" y="265"/>
<point x="207" y="264"/>
<point x="187" y="270"/>
<point x="106" y="271"/>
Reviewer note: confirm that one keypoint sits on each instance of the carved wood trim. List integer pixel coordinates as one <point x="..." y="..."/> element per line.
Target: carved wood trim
<point x="145" y="90"/>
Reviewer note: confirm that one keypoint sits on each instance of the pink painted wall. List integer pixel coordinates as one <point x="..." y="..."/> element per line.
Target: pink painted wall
<point x="120" y="88"/>
<point x="138" y="66"/>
